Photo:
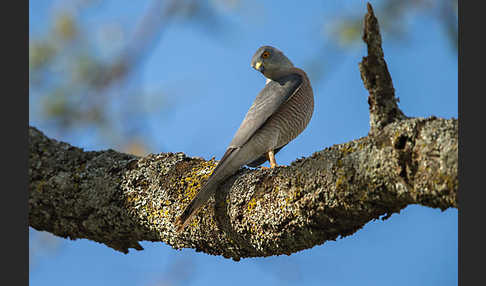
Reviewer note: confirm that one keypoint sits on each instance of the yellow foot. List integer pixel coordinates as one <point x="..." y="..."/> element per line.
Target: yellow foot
<point x="271" y="158"/>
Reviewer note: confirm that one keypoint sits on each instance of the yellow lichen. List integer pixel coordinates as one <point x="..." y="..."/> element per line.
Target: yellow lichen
<point x="340" y="181"/>
<point x="346" y="150"/>
<point x="251" y="204"/>
<point x="287" y="201"/>
<point x="192" y="181"/>
<point x="194" y="223"/>
<point x="297" y="193"/>
<point x="340" y="163"/>
<point x="361" y="145"/>
<point x="40" y="186"/>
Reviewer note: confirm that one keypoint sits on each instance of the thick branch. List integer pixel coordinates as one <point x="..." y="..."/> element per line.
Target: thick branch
<point x="376" y="78"/>
<point x="118" y="200"/>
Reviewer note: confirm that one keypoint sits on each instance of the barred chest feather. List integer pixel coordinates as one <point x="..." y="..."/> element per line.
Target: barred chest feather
<point x="291" y="118"/>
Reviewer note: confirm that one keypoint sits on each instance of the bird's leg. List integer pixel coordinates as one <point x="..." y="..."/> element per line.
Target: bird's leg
<point x="271" y="158"/>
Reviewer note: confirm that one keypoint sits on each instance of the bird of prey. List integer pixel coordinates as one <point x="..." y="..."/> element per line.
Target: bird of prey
<point x="280" y="112"/>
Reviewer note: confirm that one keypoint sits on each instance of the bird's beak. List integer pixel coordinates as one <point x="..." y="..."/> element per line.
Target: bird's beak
<point x="259" y="66"/>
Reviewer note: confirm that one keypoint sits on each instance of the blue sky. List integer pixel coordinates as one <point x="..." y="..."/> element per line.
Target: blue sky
<point x="210" y="86"/>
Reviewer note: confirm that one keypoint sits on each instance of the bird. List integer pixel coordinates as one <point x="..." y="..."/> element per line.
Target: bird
<point x="279" y="113"/>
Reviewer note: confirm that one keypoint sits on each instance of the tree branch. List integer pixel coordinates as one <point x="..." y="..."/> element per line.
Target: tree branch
<point x="119" y="199"/>
<point x="377" y="79"/>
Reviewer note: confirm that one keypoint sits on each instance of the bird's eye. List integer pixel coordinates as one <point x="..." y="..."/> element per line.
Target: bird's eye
<point x="265" y="54"/>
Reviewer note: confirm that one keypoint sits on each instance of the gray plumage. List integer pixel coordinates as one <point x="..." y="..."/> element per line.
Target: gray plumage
<point x="280" y="112"/>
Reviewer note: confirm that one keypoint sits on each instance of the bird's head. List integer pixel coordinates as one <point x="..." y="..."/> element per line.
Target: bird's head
<point x="270" y="61"/>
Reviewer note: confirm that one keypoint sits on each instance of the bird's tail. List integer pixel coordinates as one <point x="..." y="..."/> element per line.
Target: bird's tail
<point x="191" y="210"/>
<point x="222" y="171"/>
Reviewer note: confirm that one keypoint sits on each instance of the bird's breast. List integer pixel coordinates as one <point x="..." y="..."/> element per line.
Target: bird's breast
<point x="289" y="120"/>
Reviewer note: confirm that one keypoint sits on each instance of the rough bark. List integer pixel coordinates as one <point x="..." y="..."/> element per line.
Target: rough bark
<point x="376" y="78"/>
<point x="119" y="199"/>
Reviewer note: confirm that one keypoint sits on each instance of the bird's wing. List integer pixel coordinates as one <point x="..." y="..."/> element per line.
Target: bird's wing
<point x="268" y="101"/>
